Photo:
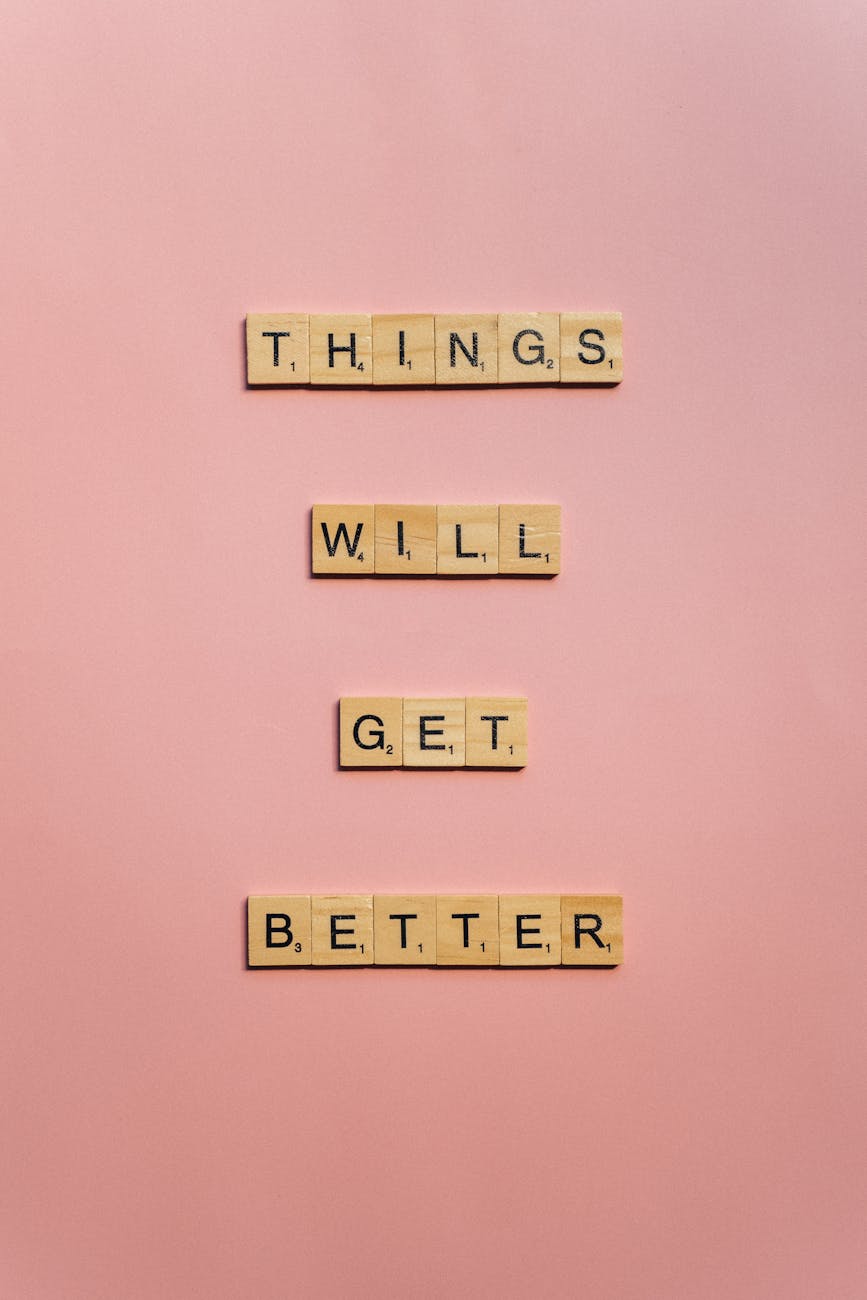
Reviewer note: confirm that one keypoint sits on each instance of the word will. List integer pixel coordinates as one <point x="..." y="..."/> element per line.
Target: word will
<point x="477" y="731"/>
<point x="290" y="348"/>
<point x="449" y="541"/>
<point x="435" y="930"/>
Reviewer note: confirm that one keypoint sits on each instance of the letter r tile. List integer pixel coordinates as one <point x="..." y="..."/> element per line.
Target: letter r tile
<point x="592" y="929"/>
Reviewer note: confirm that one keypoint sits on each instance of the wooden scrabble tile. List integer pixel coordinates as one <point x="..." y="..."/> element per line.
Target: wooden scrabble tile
<point x="371" y="732"/>
<point x="592" y="929"/>
<point x="466" y="349"/>
<point x="529" y="347"/>
<point x="405" y="929"/>
<point x="591" y="347"/>
<point x="403" y="350"/>
<point x="530" y="540"/>
<point x="530" y="929"/>
<point x="468" y="930"/>
<point x="342" y="929"/>
<point x="278" y="930"/>
<point x="434" y="733"/>
<point x="278" y="349"/>
<point x="496" y="732"/>
<point x="468" y="540"/>
<point x="342" y="540"/>
<point x="406" y="539"/>
<point x="341" y="350"/>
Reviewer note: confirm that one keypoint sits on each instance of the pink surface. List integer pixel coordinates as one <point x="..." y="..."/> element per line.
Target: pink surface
<point x="690" y="1125"/>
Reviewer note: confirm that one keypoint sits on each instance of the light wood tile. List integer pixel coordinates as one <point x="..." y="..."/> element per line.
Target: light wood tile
<point x="434" y="733"/>
<point x="591" y="347"/>
<point x="405" y="929"/>
<point x="342" y="929"/>
<point x="466" y="349"/>
<point x="341" y="350"/>
<point x="529" y="347"/>
<point x="371" y="731"/>
<point x="406" y="540"/>
<point x="342" y="540"/>
<point x="468" y="930"/>
<point x="496" y="731"/>
<point x="530" y="929"/>
<point x="278" y="348"/>
<point x="592" y="929"/>
<point x="403" y="350"/>
<point x="468" y="540"/>
<point x="278" y="930"/>
<point x="529" y="540"/>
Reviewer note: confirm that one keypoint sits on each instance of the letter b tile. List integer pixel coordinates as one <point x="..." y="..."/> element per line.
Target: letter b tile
<point x="278" y="930"/>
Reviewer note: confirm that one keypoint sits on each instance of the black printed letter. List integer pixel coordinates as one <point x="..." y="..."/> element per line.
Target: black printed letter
<point x="424" y="732"/>
<point x="584" y="340"/>
<point x="537" y="350"/>
<point x="379" y="736"/>
<point x="276" y="335"/>
<point x="403" y="917"/>
<point x="522" y="930"/>
<point x="271" y="929"/>
<point x="591" y="930"/>
<point x="335" y="932"/>
<point x="466" y="917"/>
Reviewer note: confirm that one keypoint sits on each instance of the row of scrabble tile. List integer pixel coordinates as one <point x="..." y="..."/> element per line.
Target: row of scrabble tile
<point x="477" y="731"/>
<point x="435" y="930"/>
<point x="292" y="348"/>
<point x="449" y="541"/>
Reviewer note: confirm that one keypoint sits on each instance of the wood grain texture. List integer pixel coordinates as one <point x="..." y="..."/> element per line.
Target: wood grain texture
<point x="468" y="541"/>
<point x="529" y="540"/>
<point x="592" y="929"/>
<point x="466" y="349"/>
<point x="403" y="350"/>
<point x="406" y="540"/>
<point x="468" y="930"/>
<point x="496" y="731"/>
<point x="434" y="732"/>
<point x="405" y="929"/>
<point x="342" y="540"/>
<point x="530" y="929"/>
<point x="528" y="348"/>
<point x="371" y="731"/>
<point x="591" y="347"/>
<point x="278" y="348"/>
<point x="341" y="350"/>
<point x="342" y="928"/>
<point x="279" y="930"/>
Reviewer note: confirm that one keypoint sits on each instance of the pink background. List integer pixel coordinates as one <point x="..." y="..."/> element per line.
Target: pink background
<point x="690" y="1125"/>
